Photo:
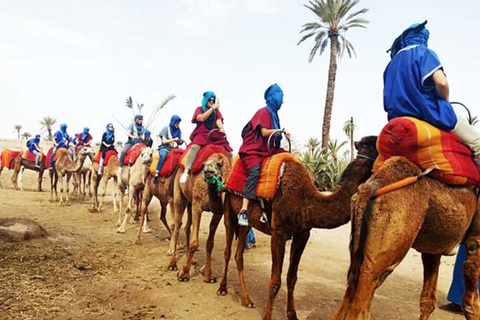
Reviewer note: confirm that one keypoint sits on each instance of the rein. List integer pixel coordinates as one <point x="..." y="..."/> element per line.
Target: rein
<point x="365" y="157"/>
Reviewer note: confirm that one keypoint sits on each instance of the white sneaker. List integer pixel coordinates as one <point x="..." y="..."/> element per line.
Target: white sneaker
<point x="184" y="178"/>
<point x="119" y="172"/>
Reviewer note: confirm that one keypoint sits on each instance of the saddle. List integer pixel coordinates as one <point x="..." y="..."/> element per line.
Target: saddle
<point x="133" y="153"/>
<point x="7" y="156"/>
<point x="171" y="162"/>
<point x="28" y="155"/>
<point x="202" y="156"/>
<point x="108" y="155"/>
<point x="428" y="147"/>
<point x="57" y="154"/>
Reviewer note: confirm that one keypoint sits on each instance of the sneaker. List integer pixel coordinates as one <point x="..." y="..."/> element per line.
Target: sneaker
<point x="119" y="171"/>
<point x="155" y="178"/>
<point x="99" y="171"/>
<point x="184" y="178"/>
<point x="243" y="218"/>
<point x="37" y="166"/>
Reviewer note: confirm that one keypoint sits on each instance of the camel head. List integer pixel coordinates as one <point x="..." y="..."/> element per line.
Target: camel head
<point x="212" y="172"/>
<point x="147" y="155"/>
<point x="367" y="147"/>
<point x="83" y="152"/>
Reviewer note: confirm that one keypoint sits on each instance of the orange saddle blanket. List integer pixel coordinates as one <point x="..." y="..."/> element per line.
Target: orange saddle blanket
<point x="171" y="162"/>
<point x="7" y="156"/>
<point x="57" y="154"/>
<point x="428" y="147"/>
<point x="270" y="176"/>
<point x="202" y="156"/>
<point x="108" y="155"/>
<point x="28" y="155"/>
<point x="133" y="153"/>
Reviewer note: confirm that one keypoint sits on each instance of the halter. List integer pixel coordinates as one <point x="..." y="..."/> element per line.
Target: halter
<point x="365" y="157"/>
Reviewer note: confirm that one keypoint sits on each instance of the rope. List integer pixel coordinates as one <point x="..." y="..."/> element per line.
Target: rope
<point x="365" y="157"/>
<point x="402" y="183"/>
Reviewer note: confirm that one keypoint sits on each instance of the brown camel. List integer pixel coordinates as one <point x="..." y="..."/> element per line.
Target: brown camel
<point x="429" y="216"/>
<point x="163" y="190"/>
<point x="297" y="208"/>
<point x="64" y="166"/>
<point x="82" y="179"/>
<point x="197" y="196"/>
<point x="133" y="177"/>
<point x="20" y="164"/>
<point x="109" y="171"/>
<point x="7" y="157"/>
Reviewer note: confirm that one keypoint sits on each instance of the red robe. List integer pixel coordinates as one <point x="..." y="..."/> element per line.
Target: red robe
<point x="200" y="133"/>
<point x="81" y="143"/>
<point x="254" y="148"/>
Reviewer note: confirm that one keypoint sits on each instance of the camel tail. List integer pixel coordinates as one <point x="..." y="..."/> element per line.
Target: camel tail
<point x="360" y="219"/>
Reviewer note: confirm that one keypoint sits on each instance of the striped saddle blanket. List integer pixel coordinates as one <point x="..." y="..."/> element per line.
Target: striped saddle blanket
<point x="171" y="162"/>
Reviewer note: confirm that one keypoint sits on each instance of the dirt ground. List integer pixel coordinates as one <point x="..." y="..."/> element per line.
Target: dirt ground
<point x="85" y="270"/>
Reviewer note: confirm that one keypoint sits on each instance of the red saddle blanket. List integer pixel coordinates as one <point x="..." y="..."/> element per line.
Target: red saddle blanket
<point x="270" y="176"/>
<point x="108" y="155"/>
<point x="133" y="153"/>
<point x="202" y="156"/>
<point x="428" y="147"/>
<point x="7" y="156"/>
<point x="57" y="154"/>
<point x="28" y="155"/>
<point x="171" y="162"/>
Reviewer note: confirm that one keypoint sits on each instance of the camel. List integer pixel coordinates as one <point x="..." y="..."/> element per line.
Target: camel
<point x="82" y="179"/>
<point x="7" y="157"/>
<point x="64" y="166"/>
<point x="20" y="164"/>
<point x="297" y="208"/>
<point x="197" y="196"/>
<point x="109" y="171"/>
<point x="429" y="216"/>
<point x="133" y="177"/>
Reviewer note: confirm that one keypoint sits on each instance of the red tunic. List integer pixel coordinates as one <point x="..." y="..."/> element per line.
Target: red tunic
<point x="200" y="133"/>
<point x="81" y="143"/>
<point x="254" y="148"/>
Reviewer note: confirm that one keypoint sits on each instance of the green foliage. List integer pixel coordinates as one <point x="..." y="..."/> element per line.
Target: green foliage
<point x="26" y="135"/>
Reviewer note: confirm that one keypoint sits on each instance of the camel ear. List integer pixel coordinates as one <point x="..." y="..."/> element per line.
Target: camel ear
<point x="357" y="145"/>
<point x="220" y="163"/>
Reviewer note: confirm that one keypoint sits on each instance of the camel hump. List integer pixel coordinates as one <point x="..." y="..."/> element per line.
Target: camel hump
<point x="202" y="156"/>
<point x="28" y="155"/>
<point x="133" y="153"/>
<point x="19" y="229"/>
<point x="7" y="156"/>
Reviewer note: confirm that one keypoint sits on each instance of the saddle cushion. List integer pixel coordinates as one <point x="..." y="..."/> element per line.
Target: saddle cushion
<point x="133" y="153"/>
<point x="7" y="156"/>
<point x="108" y="155"/>
<point x="202" y="156"/>
<point x="428" y="147"/>
<point x="57" y="154"/>
<point x="270" y="176"/>
<point x="28" y="155"/>
<point x="171" y="162"/>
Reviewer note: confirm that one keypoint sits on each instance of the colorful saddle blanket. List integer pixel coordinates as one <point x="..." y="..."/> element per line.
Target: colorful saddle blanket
<point x="108" y="155"/>
<point x="202" y="156"/>
<point x="133" y="153"/>
<point x="428" y="147"/>
<point x="272" y="171"/>
<point x="57" y="154"/>
<point x="7" y="156"/>
<point x="28" y="155"/>
<point x="171" y="162"/>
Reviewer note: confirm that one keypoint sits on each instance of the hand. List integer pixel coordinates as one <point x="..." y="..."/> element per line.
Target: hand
<point x="216" y="105"/>
<point x="287" y="135"/>
<point x="176" y="139"/>
<point x="221" y="130"/>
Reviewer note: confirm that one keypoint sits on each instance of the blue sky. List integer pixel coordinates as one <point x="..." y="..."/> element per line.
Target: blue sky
<point x="79" y="60"/>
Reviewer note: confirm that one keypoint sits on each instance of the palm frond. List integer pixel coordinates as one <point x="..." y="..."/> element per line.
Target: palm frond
<point x="154" y="114"/>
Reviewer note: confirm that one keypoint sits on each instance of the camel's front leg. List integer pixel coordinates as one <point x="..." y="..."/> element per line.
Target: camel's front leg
<point x="178" y="210"/>
<point x="67" y="201"/>
<point x="15" y="175"/>
<point x="60" y="177"/>
<point x="277" y="245"/>
<point x="163" y="216"/>
<point x="144" y="202"/>
<point x="40" y="178"/>
<point x="229" y="233"/>
<point x="120" y="213"/>
<point x="242" y="239"/>
<point x="209" y="277"/>
<point x="428" y="298"/>
<point x="115" y="195"/>
<point x="147" y="197"/>
<point x="298" y="246"/>
<point x="471" y="271"/>
<point x="184" y="273"/>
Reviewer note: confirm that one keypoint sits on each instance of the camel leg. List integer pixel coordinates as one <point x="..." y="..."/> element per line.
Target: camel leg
<point x="242" y="239"/>
<point x="103" y="190"/>
<point x="88" y="183"/>
<point x="144" y="202"/>
<point x="298" y="246"/>
<point x="428" y="298"/>
<point x="209" y="277"/>
<point x="40" y="178"/>
<point x="121" y="189"/>
<point x="115" y="189"/>
<point x="20" y="178"/>
<point x="50" y="173"/>
<point x="229" y="233"/>
<point x="179" y="209"/>
<point x="1" y="169"/>
<point x="163" y="216"/>
<point x="471" y="271"/>
<point x="147" y="197"/>
<point x="184" y="273"/>
<point x="188" y="226"/>
<point x="67" y="179"/>
<point x="96" y="183"/>
<point x="60" y="176"/>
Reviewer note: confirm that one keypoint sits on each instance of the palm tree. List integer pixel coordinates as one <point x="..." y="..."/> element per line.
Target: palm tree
<point x="332" y="25"/>
<point x="334" y="148"/>
<point x="18" y="127"/>
<point x="119" y="144"/>
<point x="26" y="135"/>
<point x="312" y="145"/>
<point x="349" y="127"/>
<point x="47" y="125"/>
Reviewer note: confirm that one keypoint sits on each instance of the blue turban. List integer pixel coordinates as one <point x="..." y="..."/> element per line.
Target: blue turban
<point x="207" y="96"/>
<point x="274" y="99"/>
<point x="147" y="133"/>
<point x="176" y="132"/>
<point x="85" y="133"/>
<point x="138" y="116"/>
<point x="416" y="34"/>
<point x="110" y="132"/>
<point x="37" y="139"/>
<point x="63" y="130"/>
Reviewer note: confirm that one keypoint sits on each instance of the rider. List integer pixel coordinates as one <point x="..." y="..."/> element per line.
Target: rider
<point x="148" y="139"/>
<point x="208" y="119"/>
<point x="255" y="146"/>
<point x="83" y="139"/>
<point x="171" y="136"/>
<point x="135" y="135"/>
<point x="415" y="85"/>
<point x="108" y="143"/>
<point x="34" y="147"/>
<point x="61" y="140"/>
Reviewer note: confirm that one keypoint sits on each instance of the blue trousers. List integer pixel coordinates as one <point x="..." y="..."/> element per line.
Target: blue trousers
<point x="250" y="239"/>
<point x="163" y="155"/>
<point x="457" y="288"/>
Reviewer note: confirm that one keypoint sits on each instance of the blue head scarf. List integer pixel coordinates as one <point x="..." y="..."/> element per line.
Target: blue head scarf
<point x="416" y="34"/>
<point x="85" y="133"/>
<point x="176" y="132"/>
<point x="207" y="96"/>
<point x="139" y="127"/>
<point x="37" y="139"/>
<point x="63" y="130"/>
<point x="147" y="133"/>
<point x="274" y="99"/>
<point x="110" y="132"/>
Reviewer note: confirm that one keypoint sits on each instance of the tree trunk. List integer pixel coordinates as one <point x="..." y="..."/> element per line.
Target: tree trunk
<point x="332" y="72"/>
<point x="351" y="140"/>
<point x="50" y="134"/>
<point x="18" y="133"/>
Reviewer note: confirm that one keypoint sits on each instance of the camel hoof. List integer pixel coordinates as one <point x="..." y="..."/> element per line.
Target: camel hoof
<point x="210" y="279"/>
<point x="119" y="223"/>
<point x="183" y="276"/>
<point x="222" y="291"/>
<point x="169" y="252"/>
<point x="137" y="242"/>
<point x="172" y="267"/>
<point x="250" y="305"/>
<point x="147" y="231"/>
<point x="93" y="210"/>
<point x="292" y="315"/>
<point x="121" y="230"/>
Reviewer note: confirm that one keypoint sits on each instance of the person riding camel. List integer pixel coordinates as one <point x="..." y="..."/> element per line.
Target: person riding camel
<point x="135" y="135"/>
<point x="83" y="139"/>
<point x="171" y="136"/>
<point x="209" y="130"/>
<point x="255" y="146"/>
<point x="108" y="143"/>
<point x="415" y="85"/>
<point x="61" y="140"/>
<point x="33" y="146"/>
<point x="148" y="139"/>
